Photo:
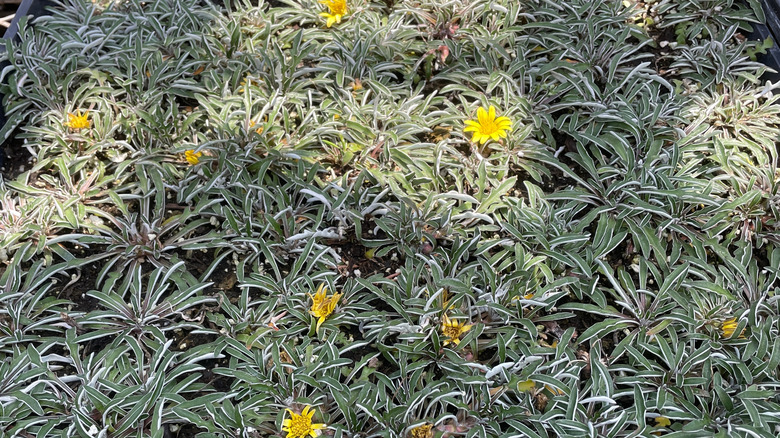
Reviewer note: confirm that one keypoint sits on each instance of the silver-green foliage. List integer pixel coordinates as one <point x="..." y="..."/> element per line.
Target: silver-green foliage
<point x="597" y="250"/>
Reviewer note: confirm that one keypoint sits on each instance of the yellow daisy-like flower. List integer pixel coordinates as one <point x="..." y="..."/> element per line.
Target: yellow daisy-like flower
<point x="337" y="9"/>
<point x="488" y="126"/>
<point x="729" y="326"/>
<point x="322" y="305"/>
<point x="77" y="121"/>
<point x="453" y="329"/>
<point x="422" y="431"/>
<point x="300" y="425"/>
<point x="192" y="157"/>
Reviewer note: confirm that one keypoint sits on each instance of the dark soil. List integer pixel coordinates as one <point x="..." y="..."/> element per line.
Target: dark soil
<point x="355" y="262"/>
<point x="15" y="159"/>
<point x="187" y="431"/>
<point x="76" y="290"/>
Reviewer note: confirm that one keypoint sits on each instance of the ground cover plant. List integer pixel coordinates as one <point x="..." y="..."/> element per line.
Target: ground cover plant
<point x="400" y="218"/>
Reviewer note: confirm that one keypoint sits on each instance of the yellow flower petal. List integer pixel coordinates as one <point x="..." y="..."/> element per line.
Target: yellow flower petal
<point x="482" y="116"/>
<point x="453" y="330"/>
<point x="323" y="306"/>
<point x="503" y="122"/>
<point x="300" y="425"/>
<point x="336" y="10"/>
<point x="192" y="157"/>
<point x="423" y="431"/>
<point x="729" y="326"/>
<point x="77" y="121"/>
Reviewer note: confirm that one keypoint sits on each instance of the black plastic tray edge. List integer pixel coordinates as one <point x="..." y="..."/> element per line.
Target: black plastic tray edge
<point x="763" y="31"/>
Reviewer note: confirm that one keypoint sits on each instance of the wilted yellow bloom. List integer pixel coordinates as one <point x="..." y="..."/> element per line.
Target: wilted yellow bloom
<point x="453" y="330"/>
<point x="488" y="126"/>
<point x="729" y="326"/>
<point x="77" y="121"/>
<point x="300" y="425"/>
<point x="192" y="157"/>
<point x="322" y="305"/>
<point x="662" y="421"/>
<point x="337" y="9"/>
<point x="422" y="431"/>
<point x="544" y="343"/>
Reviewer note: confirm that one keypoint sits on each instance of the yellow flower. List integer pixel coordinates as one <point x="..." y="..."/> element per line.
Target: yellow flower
<point x="337" y="9"/>
<point x="445" y="300"/>
<point x="661" y="421"/>
<point x="453" y="329"/>
<point x="252" y="125"/>
<point x="524" y="297"/>
<point x="192" y="157"/>
<point x="244" y="82"/>
<point x="488" y="126"/>
<point x="729" y="326"/>
<point x="300" y="425"/>
<point x="322" y="305"/>
<point x="422" y="431"/>
<point x="77" y="121"/>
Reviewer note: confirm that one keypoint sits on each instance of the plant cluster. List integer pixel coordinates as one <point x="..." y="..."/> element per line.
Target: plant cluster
<point x="398" y="218"/>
